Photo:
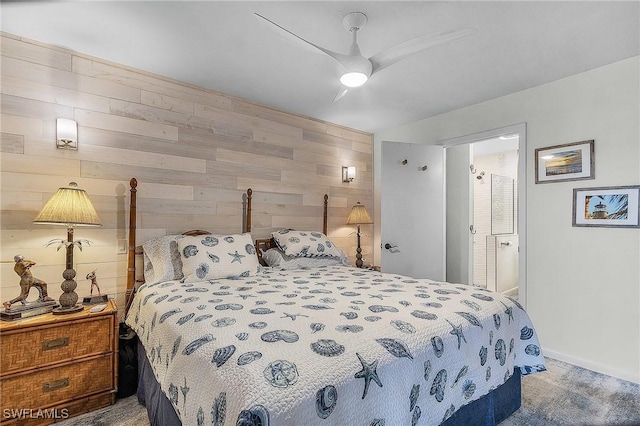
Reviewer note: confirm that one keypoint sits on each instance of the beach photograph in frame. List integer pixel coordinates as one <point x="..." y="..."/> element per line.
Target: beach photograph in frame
<point x="561" y="163"/>
<point x="612" y="207"/>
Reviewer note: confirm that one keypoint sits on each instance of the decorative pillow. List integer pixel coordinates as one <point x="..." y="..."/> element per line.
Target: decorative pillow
<point x="162" y="259"/>
<point x="208" y="257"/>
<point x="275" y="258"/>
<point x="305" y="243"/>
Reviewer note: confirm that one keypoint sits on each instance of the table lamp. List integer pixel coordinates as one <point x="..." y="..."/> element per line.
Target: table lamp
<point x="359" y="216"/>
<point x="70" y="207"/>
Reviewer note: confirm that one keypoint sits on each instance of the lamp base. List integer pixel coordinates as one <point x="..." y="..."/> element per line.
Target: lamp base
<point x="95" y="300"/>
<point x="64" y="311"/>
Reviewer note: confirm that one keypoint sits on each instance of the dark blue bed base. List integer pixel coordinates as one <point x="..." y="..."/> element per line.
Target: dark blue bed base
<point x="489" y="410"/>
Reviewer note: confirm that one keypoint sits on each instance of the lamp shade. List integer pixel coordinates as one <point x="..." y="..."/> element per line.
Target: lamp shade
<point x="359" y="215"/>
<point x="69" y="206"/>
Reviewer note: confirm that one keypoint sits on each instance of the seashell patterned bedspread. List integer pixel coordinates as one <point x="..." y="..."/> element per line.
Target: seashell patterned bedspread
<point x="333" y="345"/>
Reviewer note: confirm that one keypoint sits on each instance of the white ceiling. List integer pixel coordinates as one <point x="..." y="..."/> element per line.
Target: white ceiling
<point x="222" y="46"/>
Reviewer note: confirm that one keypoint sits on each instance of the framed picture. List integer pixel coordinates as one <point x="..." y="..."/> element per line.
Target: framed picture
<point x="611" y="207"/>
<point x="561" y="163"/>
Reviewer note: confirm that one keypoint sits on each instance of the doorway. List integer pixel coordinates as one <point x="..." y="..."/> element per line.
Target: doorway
<point x="486" y="244"/>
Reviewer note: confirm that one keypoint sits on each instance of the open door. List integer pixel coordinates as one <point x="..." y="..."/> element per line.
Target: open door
<point x="412" y="210"/>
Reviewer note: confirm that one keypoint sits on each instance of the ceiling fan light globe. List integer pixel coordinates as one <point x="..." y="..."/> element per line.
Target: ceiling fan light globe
<point x="353" y="79"/>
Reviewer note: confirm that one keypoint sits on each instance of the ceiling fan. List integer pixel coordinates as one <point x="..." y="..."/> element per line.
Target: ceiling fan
<point x="356" y="68"/>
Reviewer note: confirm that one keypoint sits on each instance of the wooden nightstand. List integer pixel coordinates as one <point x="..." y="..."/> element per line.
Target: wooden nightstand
<point x="57" y="366"/>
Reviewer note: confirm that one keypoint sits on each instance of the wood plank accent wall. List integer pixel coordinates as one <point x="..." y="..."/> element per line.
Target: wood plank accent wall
<point x="194" y="152"/>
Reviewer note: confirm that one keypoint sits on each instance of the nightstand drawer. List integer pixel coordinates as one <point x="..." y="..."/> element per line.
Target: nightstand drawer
<point x="44" y="387"/>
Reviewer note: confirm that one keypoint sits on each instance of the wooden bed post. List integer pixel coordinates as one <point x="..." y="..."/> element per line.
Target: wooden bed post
<point x="131" y="259"/>
<point x="324" y="215"/>
<point x="249" y="193"/>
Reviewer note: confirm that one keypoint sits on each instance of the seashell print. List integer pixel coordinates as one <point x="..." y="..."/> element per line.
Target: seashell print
<point x="307" y="297"/>
<point x="190" y="299"/>
<point x="189" y="251"/>
<point x="316" y="326"/>
<point x="320" y="248"/>
<point x="316" y="234"/>
<point x="491" y="338"/>
<point x="201" y="307"/>
<point x="250" y="249"/>
<point x="439" y="385"/>
<point x="327" y="347"/>
<point x="214" y="258"/>
<point x="471" y="318"/>
<point x="391" y="290"/>
<point x="350" y="293"/>
<point x="501" y="351"/>
<point x="202" y="317"/>
<point x="222" y="355"/>
<point x="461" y="374"/>
<point x="515" y="302"/>
<point x="166" y="315"/>
<point x="209" y="241"/>
<point x="261" y="311"/>
<point x="506" y="376"/>
<point x="229" y="239"/>
<point x="293" y="240"/>
<point x="326" y="399"/>
<point x="487" y="375"/>
<point x="317" y="307"/>
<point x="257" y="415"/>
<point x="232" y="306"/>
<point x="160" y="299"/>
<point x="395" y="347"/>
<point x="200" y="417"/>
<point x="423" y="295"/>
<point x="443" y="298"/>
<point x="349" y="315"/>
<point x="413" y="396"/>
<point x="249" y="357"/>
<point x="191" y="347"/>
<point x="147" y="297"/>
<point x="468" y="388"/>
<point x="427" y="369"/>
<point x="367" y="373"/>
<point x="290" y="295"/>
<point x="483" y="355"/>
<point x="416" y="416"/>
<point x="424" y="315"/>
<point x="372" y="318"/>
<point x="283" y="231"/>
<point x="277" y="335"/>
<point x="403" y="326"/>
<point x="304" y="250"/>
<point x="281" y="373"/>
<point x="242" y="336"/>
<point x="472" y="305"/>
<point x="532" y="350"/>
<point x="223" y="322"/>
<point x="404" y="303"/>
<point x="328" y="300"/>
<point x="496" y="321"/>
<point x="173" y="298"/>
<point x="382" y="308"/>
<point x="319" y="290"/>
<point x="445" y="291"/>
<point x="358" y="302"/>
<point x="432" y="305"/>
<point x="377" y="422"/>
<point x="448" y="413"/>
<point x="185" y="318"/>
<point x="511" y="345"/>
<point x="526" y="333"/>
<point x="216" y="300"/>
<point x="438" y="346"/>
<point x="483" y="297"/>
<point x="258" y="325"/>
<point x="349" y="328"/>
<point x="219" y="409"/>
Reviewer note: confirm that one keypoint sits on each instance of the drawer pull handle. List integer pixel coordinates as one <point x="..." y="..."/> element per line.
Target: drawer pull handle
<point x="54" y="344"/>
<point x="56" y="384"/>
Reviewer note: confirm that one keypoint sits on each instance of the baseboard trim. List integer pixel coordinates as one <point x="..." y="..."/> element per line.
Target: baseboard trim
<point x="593" y="366"/>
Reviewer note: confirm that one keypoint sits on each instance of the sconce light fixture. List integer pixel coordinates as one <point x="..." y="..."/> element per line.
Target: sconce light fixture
<point x="66" y="134"/>
<point x="348" y="173"/>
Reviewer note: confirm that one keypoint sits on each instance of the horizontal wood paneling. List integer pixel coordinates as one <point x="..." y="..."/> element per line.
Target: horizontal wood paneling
<point x="194" y="152"/>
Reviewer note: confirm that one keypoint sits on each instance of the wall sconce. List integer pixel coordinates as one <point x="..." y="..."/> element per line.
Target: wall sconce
<point x="348" y="173"/>
<point x="66" y="134"/>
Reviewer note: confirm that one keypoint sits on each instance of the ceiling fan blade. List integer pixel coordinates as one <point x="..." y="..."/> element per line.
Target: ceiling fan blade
<point x="299" y="41"/>
<point x="413" y="46"/>
<point x="343" y="91"/>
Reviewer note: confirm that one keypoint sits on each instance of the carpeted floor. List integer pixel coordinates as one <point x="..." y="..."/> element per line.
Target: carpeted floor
<point x="562" y="395"/>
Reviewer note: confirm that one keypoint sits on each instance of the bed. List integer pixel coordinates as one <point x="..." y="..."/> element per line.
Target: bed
<point x="244" y="344"/>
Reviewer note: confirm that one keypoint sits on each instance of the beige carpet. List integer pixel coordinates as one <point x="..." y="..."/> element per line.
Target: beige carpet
<point x="562" y="395"/>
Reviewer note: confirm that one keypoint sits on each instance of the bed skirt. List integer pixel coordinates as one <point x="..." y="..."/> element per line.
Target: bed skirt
<point x="489" y="410"/>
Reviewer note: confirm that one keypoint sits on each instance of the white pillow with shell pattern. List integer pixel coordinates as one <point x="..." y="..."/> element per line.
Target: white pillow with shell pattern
<point x="305" y="243"/>
<point x="208" y="257"/>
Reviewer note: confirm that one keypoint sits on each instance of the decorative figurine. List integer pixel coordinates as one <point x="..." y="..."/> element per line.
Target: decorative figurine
<point x="44" y="303"/>
<point x="91" y="299"/>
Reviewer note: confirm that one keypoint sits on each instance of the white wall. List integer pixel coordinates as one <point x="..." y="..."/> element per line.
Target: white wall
<point x="583" y="284"/>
